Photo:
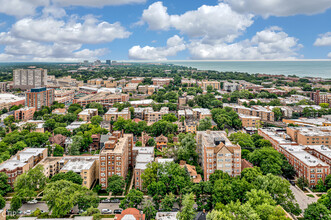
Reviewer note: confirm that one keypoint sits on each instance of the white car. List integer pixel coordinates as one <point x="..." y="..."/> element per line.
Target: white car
<point x="27" y="212"/>
<point x="106" y="211"/>
<point x="34" y="201"/>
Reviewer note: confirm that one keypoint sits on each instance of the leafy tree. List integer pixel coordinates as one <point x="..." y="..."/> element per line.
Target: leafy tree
<point x="280" y="190"/>
<point x="96" y="120"/>
<point x="169" y="117"/>
<point x="30" y="127"/>
<point x="2" y="202"/>
<point x="187" y="149"/>
<point x="98" y="106"/>
<point x="302" y="183"/>
<point x="317" y="211"/>
<point x="58" y="151"/>
<point x="28" y="183"/>
<point x="167" y="202"/>
<point x="187" y="212"/>
<point x="320" y="187"/>
<point x="138" y="144"/>
<point x="87" y="199"/>
<point x="204" y="124"/>
<point x="69" y="176"/>
<point x="74" y="148"/>
<point x="95" y="212"/>
<point x="250" y="174"/>
<point x="9" y="120"/>
<point x="151" y="142"/>
<point x="278" y="113"/>
<point x="132" y="199"/>
<point x="4" y="186"/>
<point x="163" y="127"/>
<point x="50" y="124"/>
<point x="63" y="131"/>
<point x="74" y="107"/>
<point x="326" y="199"/>
<point x="259" y="197"/>
<point x="149" y="210"/>
<point x="15" y="203"/>
<point x="115" y="184"/>
<point x="327" y="181"/>
<point x="61" y="196"/>
<point x="268" y="159"/>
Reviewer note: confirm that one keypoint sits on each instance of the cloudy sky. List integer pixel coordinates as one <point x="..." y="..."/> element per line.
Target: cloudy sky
<point x="73" y="30"/>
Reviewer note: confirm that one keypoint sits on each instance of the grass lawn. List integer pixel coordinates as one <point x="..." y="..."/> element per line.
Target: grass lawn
<point x="310" y="195"/>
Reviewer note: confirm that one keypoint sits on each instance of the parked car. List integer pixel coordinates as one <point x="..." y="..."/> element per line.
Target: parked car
<point x="115" y="201"/>
<point x="106" y="211"/>
<point x="105" y="201"/>
<point x="118" y="211"/>
<point x="27" y="212"/>
<point x="34" y="201"/>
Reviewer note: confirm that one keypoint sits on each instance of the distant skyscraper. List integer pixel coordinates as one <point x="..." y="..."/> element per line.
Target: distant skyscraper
<point x="29" y="78"/>
<point x="39" y="97"/>
<point x="85" y="63"/>
<point x="97" y="62"/>
<point x="108" y="62"/>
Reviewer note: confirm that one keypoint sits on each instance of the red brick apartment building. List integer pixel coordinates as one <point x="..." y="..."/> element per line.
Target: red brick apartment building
<point x="115" y="157"/>
<point x="24" y="114"/>
<point x="307" y="161"/>
<point x="39" y="97"/>
<point x="21" y="162"/>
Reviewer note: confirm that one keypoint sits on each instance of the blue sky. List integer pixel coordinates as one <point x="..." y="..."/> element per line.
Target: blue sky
<point x="73" y="30"/>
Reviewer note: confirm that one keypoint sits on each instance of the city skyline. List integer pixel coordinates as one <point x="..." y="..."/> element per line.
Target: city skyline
<point x="65" y="31"/>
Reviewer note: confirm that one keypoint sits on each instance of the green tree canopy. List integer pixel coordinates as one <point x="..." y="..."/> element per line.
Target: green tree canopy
<point x="69" y="176"/>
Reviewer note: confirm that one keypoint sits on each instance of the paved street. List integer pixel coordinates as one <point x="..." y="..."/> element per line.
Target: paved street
<point x="43" y="206"/>
<point x="301" y="198"/>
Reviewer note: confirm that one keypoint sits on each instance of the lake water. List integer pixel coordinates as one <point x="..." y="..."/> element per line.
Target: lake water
<point x="299" y="68"/>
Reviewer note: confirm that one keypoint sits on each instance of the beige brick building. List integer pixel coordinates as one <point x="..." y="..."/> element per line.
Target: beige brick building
<point x="249" y="121"/>
<point x="310" y="135"/>
<point x="215" y="84"/>
<point x="86" y="166"/>
<point x="104" y="98"/>
<point x="87" y="114"/>
<point x="216" y="152"/>
<point x="115" y="157"/>
<point x="113" y="114"/>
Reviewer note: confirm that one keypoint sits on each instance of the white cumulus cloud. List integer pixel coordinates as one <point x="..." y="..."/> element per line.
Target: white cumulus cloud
<point x="21" y="8"/>
<point x="49" y="29"/>
<point x="212" y="23"/>
<point x="268" y="8"/>
<point x="175" y="44"/>
<point x="323" y="40"/>
<point x="96" y="3"/>
<point x="51" y="39"/>
<point x="271" y="43"/>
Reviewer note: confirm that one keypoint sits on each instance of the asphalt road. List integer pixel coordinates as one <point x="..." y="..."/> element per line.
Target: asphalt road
<point x="43" y="206"/>
<point x="301" y="198"/>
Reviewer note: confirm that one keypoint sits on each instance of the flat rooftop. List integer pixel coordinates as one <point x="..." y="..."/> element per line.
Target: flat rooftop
<point x="210" y="136"/>
<point x="100" y="96"/>
<point x="119" y="146"/>
<point x="77" y="165"/>
<point x="313" y="131"/>
<point x="8" y="98"/>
